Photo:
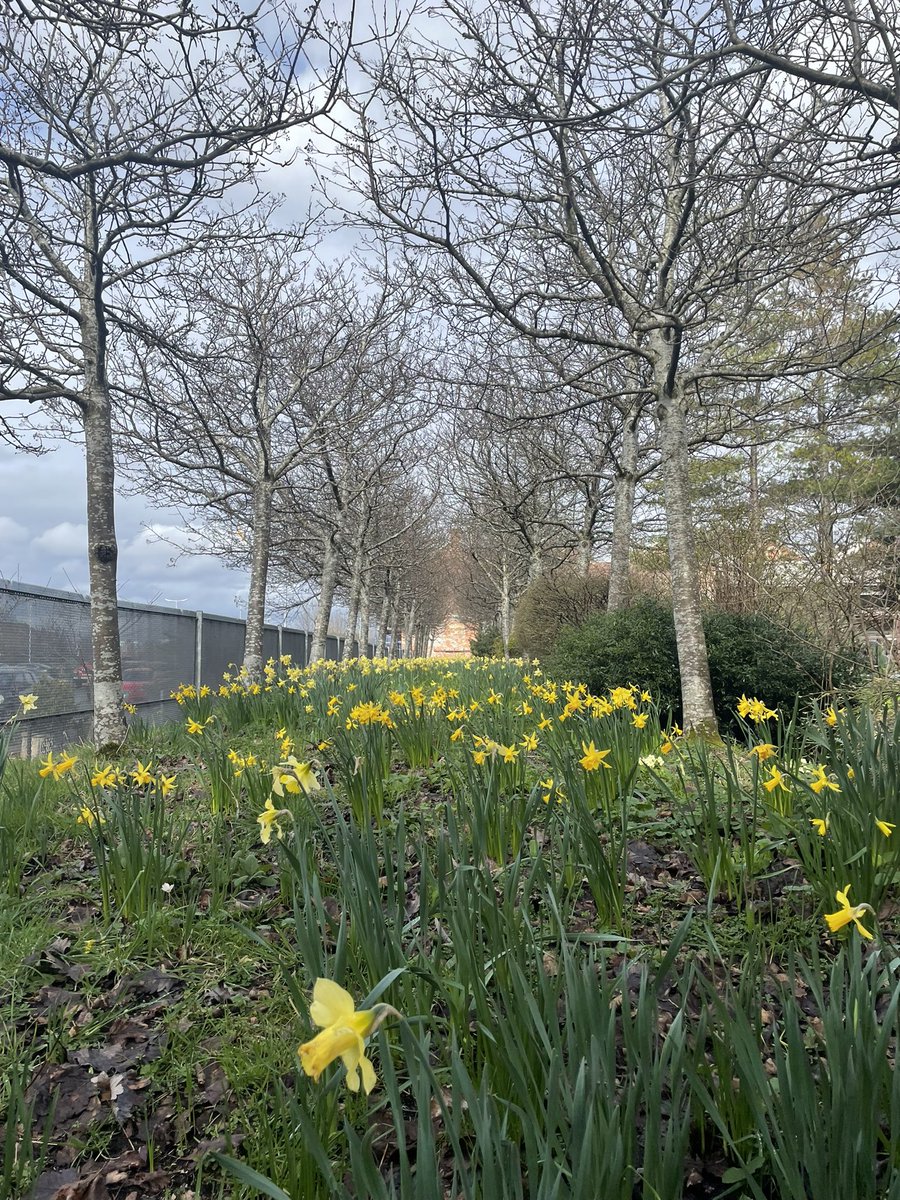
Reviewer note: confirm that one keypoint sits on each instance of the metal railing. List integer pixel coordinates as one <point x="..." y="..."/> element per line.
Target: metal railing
<point x="45" y="648"/>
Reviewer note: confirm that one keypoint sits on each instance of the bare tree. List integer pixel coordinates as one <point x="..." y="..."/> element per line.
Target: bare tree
<point x="575" y="177"/>
<point x="117" y="124"/>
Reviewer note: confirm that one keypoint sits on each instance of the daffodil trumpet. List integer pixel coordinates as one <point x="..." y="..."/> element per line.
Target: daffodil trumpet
<point x="343" y="1034"/>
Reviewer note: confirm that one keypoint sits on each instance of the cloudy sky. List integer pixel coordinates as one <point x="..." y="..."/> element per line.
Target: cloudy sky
<point x="43" y="531"/>
<point x="43" y="538"/>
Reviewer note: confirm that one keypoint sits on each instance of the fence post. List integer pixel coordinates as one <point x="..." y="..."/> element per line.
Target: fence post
<point x="198" y="650"/>
<point x="280" y="642"/>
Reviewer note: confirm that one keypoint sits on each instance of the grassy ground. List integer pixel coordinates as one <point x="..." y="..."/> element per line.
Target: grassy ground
<point x="607" y="946"/>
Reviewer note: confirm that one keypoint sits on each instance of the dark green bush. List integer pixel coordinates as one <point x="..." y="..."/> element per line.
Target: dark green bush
<point x="482" y="645"/>
<point x="636" y="645"/>
<point x="553" y="602"/>
<point x="748" y="655"/>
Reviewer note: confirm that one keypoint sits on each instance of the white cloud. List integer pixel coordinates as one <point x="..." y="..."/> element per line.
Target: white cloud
<point x="11" y="532"/>
<point x="66" y="539"/>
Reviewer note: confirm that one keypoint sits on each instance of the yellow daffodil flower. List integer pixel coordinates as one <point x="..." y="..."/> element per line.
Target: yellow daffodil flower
<point x="529" y="741"/>
<point x="269" y="820"/>
<point x="830" y="715"/>
<point x="821" y="781"/>
<point x="775" y="780"/>
<point x="194" y="726"/>
<point x="165" y="783"/>
<point x="594" y="758"/>
<point x="849" y="912"/>
<point x="56" y="768"/>
<point x="292" y="776"/>
<point x="820" y="824"/>
<point x="510" y="753"/>
<point x="28" y="702"/>
<point x="141" y="774"/>
<point x="763" y="751"/>
<point x="104" y="777"/>
<point x="343" y="1034"/>
<point x="886" y="827"/>
<point x="639" y="720"/>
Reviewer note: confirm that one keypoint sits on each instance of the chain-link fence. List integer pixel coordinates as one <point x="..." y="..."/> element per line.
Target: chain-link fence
<point x="45" y="648"/>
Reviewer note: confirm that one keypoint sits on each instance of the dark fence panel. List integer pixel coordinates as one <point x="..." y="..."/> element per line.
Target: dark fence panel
<point x="45" y="648"/>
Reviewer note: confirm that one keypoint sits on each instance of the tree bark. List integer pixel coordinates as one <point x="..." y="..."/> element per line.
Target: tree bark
<point x="365" y="616"/>
<point x="259" y="573"/>
<point x="409" y="629"/>
<point x="353" y="610"/>
<point x="505" y="606"/>
<point x="103" y="553"/>
<point x="394" y="621"/>
<point x="623" y="517"/>
<point x="327" y="584"/>
<point x="383" y="618"/>
<point x="693" y="662"/>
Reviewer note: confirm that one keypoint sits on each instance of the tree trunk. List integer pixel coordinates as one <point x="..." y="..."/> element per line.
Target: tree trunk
<point x="623" y="517"/>
<point x="259" y="573"/>
<point x="505" y="607"/>
<point x="353" y="610"/>
<point x="103" y="553"/>
<point x="693" y="662"/>
<point x="409" y="629"/>
<point x="394" y="621"/>
<point x="383" y="617"/>
<point x="365" y="616"/>
<point x="327" y="584"/>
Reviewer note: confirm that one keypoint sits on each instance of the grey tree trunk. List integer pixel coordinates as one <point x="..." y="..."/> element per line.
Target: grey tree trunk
<point x="505" y="605"/>
<point x="409" y="629"/>
<point x="103" y="553"/>
<point x="259" y="573"/>
<point x="394" y="621"/>
<point x="693" y="662"/>
<point x="383" y="617"/>
<point x="623" y="517"/>
<point x="365" y="615"/>
<point x="353" y="610"/>
<point x="327" y="584"/>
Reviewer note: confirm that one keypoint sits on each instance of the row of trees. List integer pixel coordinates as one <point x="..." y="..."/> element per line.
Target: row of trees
<point x="626" y="256"/>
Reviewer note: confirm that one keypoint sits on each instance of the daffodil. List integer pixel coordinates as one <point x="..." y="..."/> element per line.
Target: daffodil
<point x="88" y="817"/>
<point x="775" y="780"/>
<point x="28" y="702"/>
<point x="763" y="751"/>
<point x="594" y="758"/>
<point x="141" y="774"/>
<point x="194" y="726"/>
<point x="639" y="720"/>
<point x="56" y="768"/>
<point x="821" y="781"/>
<point x="529" y="741"/>
<point x="886" y="827"/>
<point x="510" y="753"/>
<point x="343" y="1034"/>
<point x="269" y="821"/>
<point x="165" y="783"/>
<point x="293" y="777"/>
<point x="849" y="912"/>
<point x="104" y="777"/>
<point x="820" y="824"/>
<point x="830" y="716"/>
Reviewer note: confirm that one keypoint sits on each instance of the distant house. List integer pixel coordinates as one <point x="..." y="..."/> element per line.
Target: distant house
<point x="452" y="637"/>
